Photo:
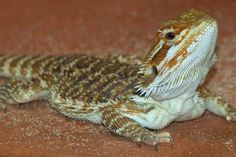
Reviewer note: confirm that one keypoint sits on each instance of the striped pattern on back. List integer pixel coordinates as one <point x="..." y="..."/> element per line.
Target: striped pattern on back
<point x="90" y="79"/>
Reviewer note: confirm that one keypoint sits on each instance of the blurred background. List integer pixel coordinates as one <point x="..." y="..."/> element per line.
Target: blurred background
<point x="100" y="28"/>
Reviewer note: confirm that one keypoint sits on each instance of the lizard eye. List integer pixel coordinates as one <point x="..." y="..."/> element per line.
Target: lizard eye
<point x="170" y="35"/>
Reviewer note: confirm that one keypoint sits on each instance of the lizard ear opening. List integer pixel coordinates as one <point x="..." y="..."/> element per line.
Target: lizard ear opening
<point x="154" y="70"/>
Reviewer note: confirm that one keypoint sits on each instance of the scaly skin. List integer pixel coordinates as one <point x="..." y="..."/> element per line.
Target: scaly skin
<point x="128" y="96"/>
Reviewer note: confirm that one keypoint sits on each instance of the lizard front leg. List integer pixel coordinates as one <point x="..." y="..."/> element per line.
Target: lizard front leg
<point x="124" y="126"/>
<point x="217" y="105"/>
<point x="21" y="91"/>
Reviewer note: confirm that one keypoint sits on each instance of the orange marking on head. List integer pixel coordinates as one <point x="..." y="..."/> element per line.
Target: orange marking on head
<point x="174" y="60"/>
<point x="158" y="57"/>
<point x="180" y="28"/>
<point x="182" y="37"/>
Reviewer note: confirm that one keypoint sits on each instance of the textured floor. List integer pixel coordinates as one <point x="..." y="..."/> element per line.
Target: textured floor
<point x="106" y="27"/>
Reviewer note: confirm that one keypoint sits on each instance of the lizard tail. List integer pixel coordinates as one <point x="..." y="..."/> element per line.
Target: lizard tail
<point x="21" y="66"/>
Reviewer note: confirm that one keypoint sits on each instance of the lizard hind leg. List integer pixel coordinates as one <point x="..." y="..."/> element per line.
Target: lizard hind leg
<point x="124" y="126"/>
<point x="21" y="91"/>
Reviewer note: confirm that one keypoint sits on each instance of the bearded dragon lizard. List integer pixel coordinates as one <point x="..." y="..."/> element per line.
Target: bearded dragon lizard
<point x="125" y="94"/>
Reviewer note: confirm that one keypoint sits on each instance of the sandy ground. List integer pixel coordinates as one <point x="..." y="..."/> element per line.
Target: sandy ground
<point x="100" y="28"/>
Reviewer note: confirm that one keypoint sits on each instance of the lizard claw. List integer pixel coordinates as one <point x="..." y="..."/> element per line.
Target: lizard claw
<point x="154" y="139"/>
<point x="164" y="137"/>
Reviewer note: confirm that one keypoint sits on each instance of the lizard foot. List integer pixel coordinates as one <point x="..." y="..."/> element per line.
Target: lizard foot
<point x="230" y="113"/>
<point x="154" y="139"/>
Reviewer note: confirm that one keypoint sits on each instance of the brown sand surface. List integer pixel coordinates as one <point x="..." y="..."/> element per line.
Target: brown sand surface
<point x="106" y="27"/>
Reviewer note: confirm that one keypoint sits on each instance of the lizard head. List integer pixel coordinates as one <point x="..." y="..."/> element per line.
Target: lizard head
<point x="180" y="57"/>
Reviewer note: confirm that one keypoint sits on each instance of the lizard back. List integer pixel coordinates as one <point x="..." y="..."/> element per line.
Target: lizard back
<point x="87" y="78"/>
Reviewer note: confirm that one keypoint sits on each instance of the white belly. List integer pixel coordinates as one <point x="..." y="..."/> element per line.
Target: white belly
<point x="167" y="111"/>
